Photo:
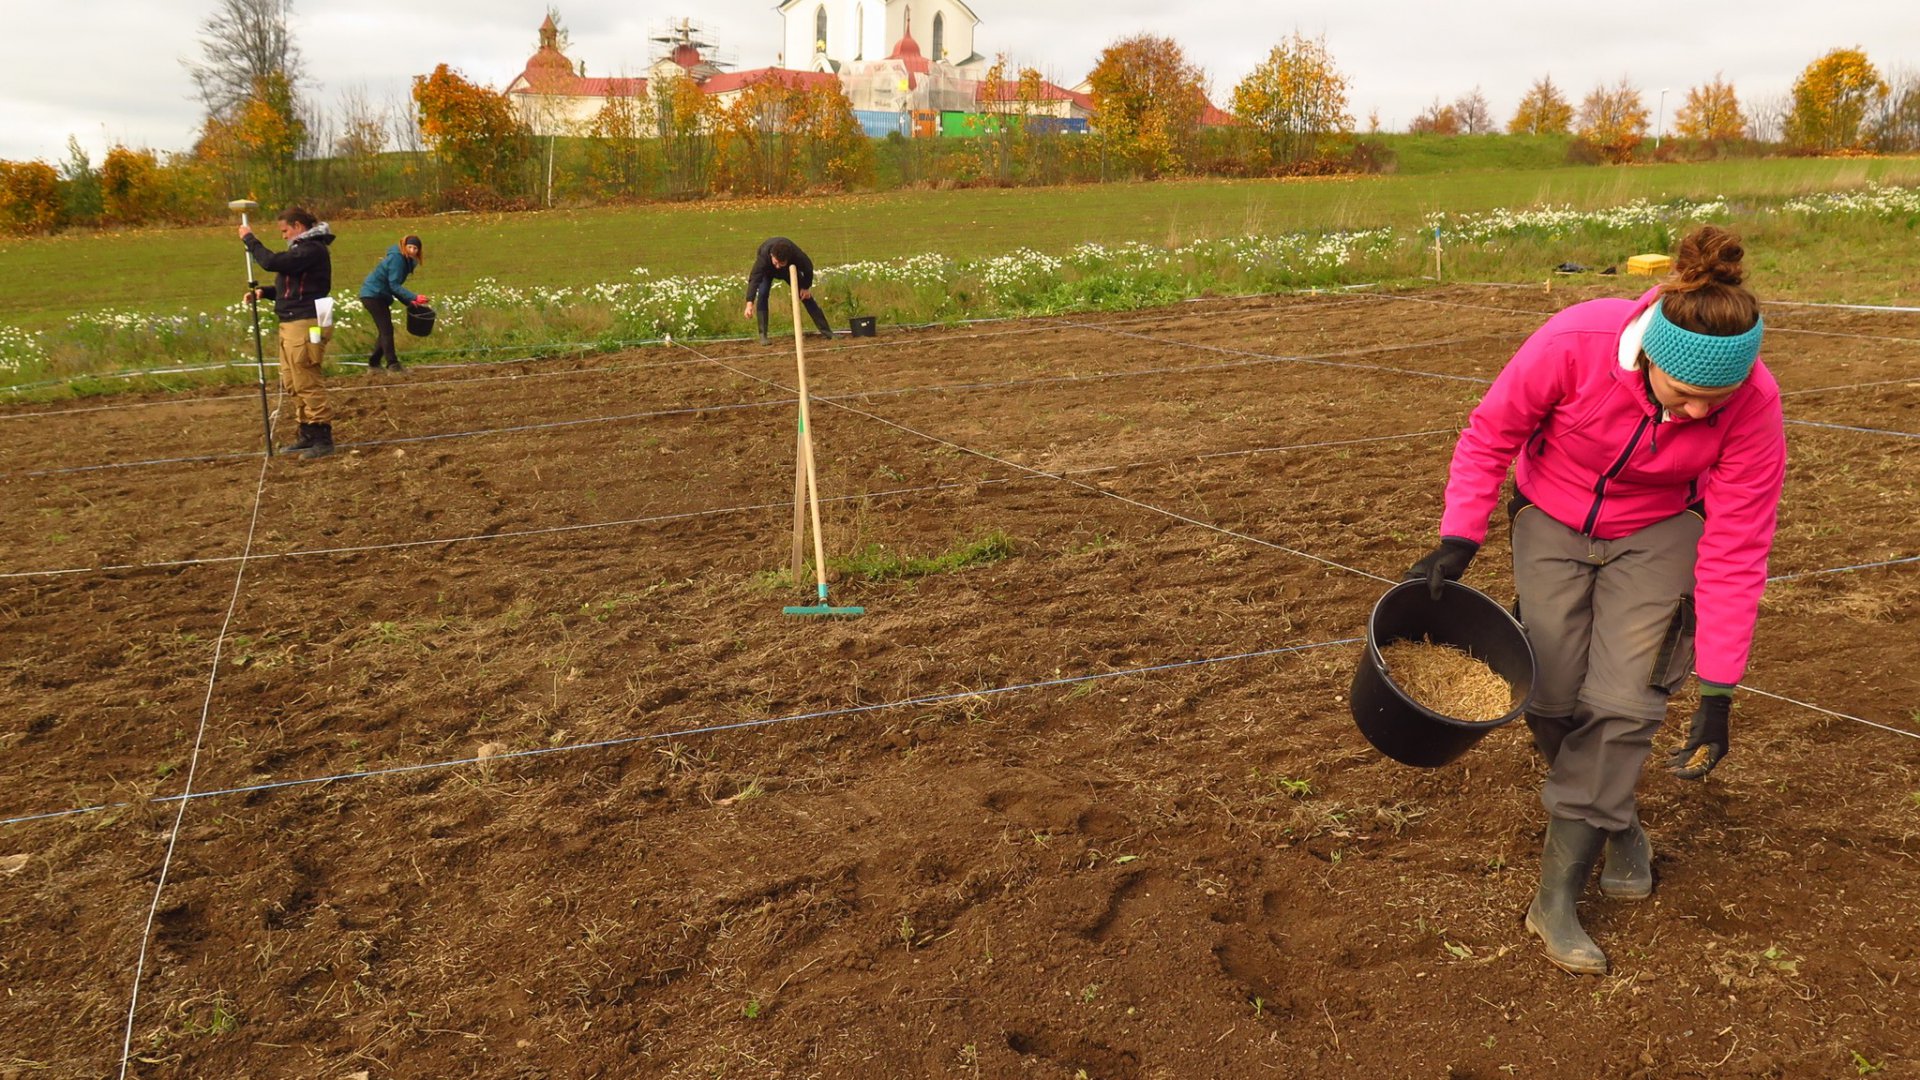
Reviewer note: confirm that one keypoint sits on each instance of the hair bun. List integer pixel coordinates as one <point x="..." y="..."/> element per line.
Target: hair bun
<point x="1710" y="255"/>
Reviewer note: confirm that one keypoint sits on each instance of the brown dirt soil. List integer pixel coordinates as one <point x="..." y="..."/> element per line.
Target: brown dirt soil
<point x="966" y="835"/>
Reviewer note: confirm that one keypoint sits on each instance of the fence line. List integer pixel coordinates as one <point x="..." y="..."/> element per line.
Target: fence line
<point x="710" y="729"/>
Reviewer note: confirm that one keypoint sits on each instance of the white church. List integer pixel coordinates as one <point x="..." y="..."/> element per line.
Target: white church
<point x="826" y="35"/>
<point x="901" y="63"/>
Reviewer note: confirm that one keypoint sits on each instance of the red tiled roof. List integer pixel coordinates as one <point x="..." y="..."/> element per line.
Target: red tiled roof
<point x="1010" y="91"/>
<point x="728" y="81"/>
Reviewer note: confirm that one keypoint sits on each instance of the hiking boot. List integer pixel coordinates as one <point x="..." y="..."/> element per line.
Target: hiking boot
<point x="764" y="340"/>
<point x="373" y="365"/>
<point x="394" y="368"/>
<point x="1566" y="860"/>
<point x="1628" y="871"/>
<point x="322" y="442"/>
<point x="305" y="441"/>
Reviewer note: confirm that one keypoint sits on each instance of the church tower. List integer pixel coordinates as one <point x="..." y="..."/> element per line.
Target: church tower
<point x="828" y="34"/>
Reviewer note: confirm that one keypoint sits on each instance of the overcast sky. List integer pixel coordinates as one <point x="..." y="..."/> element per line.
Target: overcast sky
<point x="110" y="70"/>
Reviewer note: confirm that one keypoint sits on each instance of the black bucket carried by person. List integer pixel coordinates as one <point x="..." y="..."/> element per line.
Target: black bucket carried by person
<point x="1465" y="618"/>
<point x="419" y="320"/>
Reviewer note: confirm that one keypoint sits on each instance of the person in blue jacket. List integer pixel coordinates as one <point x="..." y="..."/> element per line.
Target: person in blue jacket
<point x="382" y="287"/>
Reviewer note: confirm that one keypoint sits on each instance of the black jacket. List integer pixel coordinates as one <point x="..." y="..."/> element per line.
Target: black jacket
<point x="302" y="273"/>
<point x="763" y="270"/>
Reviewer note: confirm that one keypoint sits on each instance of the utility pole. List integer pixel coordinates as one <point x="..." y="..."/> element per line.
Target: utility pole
<point x="1660" y="125"/>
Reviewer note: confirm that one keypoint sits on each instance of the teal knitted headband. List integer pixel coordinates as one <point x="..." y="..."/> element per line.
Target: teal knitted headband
<point x="1708" y="361"/>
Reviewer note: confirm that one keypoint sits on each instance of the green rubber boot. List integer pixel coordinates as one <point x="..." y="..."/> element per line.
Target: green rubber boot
<point x="1628" y="871"/>
<point x="1565" y="863"/>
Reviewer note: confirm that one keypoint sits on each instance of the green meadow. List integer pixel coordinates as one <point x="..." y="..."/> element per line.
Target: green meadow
<point x="102" y="301"/>
<point x="43" y="281"/>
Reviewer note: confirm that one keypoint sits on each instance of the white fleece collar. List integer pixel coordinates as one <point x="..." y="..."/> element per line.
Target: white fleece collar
<point x="1631" y="337"/>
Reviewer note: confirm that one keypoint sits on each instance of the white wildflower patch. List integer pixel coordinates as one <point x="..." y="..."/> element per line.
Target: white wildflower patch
<point x="1555" y="221"/>
<point x="644" y="307"/>
<point x="21" y="352"/>
<point x="1873" y="200"/>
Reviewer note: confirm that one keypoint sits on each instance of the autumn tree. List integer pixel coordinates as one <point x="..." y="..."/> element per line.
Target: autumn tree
<point x="755" y="153"/>
<point x="257" y="140"/>
<point x="1295" y="99"/>
<point x="364" y="127"/>
<point x="133" y="191"/>
<point x="1613" y="120"/>
<point x="242" y="43"/>
<point x="1896" y="124"/>
<point x="1147" y="102"/>
<point x="835" y="154"/>
<point x="29" y="198"/>
<point x="1436" y="119"/>
<point x="1017" y="135"/>
<point x="1543" y="111"/>
<point x="1711" y="113"/>
<point x="1766" y="116"/>
<point x="1476" y="116"/>
<point x="1831" y="98"/>
<point x="779" y="137"/>
<point x="620" y="145"/>
<point x="997" y="142"/>
<point x="80" y="182"/>
<point x="472" y="128"/>
<point x="267" y="126"/>
<point x="684" y="121"/>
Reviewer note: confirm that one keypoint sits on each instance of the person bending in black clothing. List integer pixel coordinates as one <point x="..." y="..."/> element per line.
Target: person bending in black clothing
<point x="771" y="261"/>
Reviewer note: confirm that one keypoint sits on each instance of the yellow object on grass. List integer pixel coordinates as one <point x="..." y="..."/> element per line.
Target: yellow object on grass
<point x="1649" y="265"/>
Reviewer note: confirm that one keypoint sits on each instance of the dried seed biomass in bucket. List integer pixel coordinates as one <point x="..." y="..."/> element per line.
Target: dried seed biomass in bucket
<point x="1447" y="680"/>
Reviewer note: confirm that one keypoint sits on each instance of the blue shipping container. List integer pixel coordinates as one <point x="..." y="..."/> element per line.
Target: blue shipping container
<point x="879" y="125"/>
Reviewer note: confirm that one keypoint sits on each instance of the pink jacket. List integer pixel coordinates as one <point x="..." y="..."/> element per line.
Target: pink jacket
<point x="1595" y="454"/>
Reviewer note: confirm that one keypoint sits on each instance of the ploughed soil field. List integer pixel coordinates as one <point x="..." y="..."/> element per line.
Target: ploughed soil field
<point x="505" y="761"/>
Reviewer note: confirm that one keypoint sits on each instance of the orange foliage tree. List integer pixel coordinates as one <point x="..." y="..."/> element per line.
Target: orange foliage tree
<point x="685" y="119"/>
<point x="1711" y="113"/>
<point x="1613" y="120"/>
<point x="778" y="137"/>
<point x="1296" y="99"/>
<point x="756" y="154"/>
<point x="1543" y="111"/>
<point x="1436" y="119"/>
<point x="1147" y="102"/>
<point x="133" y="190"/>
<point x="255" y="144"/>
<point x="834" y="152"/>
<point x="471" y="127"/>
<point x="29" y="198"/>
<point x="620" y="154"/>
<point x="1831" y="98"/>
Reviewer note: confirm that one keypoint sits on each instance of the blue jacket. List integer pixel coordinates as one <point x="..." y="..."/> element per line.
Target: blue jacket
<point x="385" y="281"/>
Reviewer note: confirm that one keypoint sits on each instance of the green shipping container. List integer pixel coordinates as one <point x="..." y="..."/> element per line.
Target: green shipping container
<point x="965" y="125"/>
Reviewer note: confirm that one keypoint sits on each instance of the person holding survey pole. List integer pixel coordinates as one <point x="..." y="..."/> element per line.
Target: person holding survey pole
<point x="303" y="278"/>
<point x="1648" y="452"/>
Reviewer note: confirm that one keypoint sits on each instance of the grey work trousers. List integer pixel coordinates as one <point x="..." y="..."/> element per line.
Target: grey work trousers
<point x="1611" y="624"/>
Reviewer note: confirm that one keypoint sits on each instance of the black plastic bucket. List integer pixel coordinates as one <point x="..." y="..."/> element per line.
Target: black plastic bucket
<point x="1464" y="617"/>
<point x="863" y="326"/>
<point x="419" y="320"/>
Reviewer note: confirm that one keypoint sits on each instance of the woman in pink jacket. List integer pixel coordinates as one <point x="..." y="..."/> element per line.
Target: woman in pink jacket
<point x="1648" y="452"/>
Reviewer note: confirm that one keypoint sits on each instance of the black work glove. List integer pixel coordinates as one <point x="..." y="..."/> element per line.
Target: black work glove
<point x="1444" y="563"/>
<point x="1707" y="743"/>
